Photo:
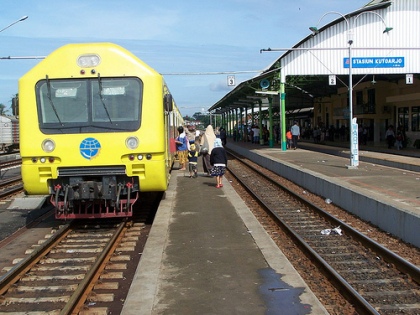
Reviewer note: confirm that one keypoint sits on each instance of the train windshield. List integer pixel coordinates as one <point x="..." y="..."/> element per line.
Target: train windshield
<point x="89" y="105"/>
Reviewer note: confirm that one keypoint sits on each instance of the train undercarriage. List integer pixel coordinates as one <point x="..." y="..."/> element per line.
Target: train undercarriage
<point x="88" y="197"/>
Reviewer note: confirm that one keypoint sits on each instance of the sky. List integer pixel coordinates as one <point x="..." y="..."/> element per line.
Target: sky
<point x="195" y="44"/>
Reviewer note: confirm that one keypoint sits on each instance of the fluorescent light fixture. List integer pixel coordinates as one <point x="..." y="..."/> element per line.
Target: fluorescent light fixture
<point x="267" y="92"/>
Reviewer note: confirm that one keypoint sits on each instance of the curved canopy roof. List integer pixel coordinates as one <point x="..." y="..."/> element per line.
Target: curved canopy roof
<point x="300" y="90"/>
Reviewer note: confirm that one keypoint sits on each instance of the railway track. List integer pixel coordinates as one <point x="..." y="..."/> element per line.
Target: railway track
<point x="10" y="185"/>
<point x="374" y="279"/>
<point x="67" y="273"/>
<point x="4" y="165"/>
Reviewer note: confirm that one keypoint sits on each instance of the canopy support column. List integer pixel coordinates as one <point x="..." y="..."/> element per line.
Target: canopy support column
<point x="283" y="122"/>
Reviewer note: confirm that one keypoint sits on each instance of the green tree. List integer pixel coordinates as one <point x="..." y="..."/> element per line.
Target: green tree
<point x="202" y="118"/>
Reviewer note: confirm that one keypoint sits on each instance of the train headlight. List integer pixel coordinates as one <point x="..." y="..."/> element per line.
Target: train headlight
<point x="132" y="143"/>
<point x="88" y="61"/>
<point x="48" y="145"/>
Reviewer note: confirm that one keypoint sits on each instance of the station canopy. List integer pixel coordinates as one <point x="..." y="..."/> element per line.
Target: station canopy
<point x="301" y="91"/>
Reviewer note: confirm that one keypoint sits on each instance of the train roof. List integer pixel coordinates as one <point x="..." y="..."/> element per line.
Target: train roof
<point x="99" y="52"/>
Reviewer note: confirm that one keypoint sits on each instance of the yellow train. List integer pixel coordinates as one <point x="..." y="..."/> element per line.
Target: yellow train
<point x="96" y="128"/>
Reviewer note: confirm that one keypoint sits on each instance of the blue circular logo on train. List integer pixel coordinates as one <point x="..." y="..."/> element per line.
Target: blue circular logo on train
<point x="89" y="148"/>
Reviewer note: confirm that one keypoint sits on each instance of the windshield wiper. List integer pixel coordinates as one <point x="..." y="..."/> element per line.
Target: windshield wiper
<point x="102" y="98"/>
<point x="50" y="99"/>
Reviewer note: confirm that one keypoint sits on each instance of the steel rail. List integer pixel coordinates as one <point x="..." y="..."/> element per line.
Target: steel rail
<point x="10" y="163"/>
<point x="26" y="264"/>
<point x="74" y="300"/>
<point x="6" y="191"/>
<point x="10" y="180"/>
<point x="400" y="263"/>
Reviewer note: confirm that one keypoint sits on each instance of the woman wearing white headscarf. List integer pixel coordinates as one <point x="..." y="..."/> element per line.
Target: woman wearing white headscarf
<point x="218" y="160"/>
<point x="208" y="138"/>
<point x="206" y="145"/>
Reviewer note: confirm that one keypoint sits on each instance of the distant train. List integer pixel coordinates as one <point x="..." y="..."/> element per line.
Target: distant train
<point x="96" y="128"/>
<point x="9" y="133"/>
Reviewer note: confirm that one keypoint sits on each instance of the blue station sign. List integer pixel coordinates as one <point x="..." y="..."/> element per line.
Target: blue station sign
<point x="375" y="62"/>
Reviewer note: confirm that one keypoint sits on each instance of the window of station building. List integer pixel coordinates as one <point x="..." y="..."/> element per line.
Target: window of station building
<point x="415" y="118"/>
<point x="360" y="108"/>
<point x="359" y="98"/>
<point x="403" y="117"/>
<point x="371" y="101"/>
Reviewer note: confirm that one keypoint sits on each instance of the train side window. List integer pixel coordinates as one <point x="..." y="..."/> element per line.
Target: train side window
<point x="168" y="102"/>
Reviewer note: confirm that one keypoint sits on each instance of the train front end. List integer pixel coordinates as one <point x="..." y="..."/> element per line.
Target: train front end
<point x="92" y="131"/>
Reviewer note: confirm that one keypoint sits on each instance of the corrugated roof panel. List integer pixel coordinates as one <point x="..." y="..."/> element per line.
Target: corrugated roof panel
<point x="328" y="49"/>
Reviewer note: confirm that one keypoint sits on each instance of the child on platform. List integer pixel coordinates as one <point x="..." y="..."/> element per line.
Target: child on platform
<point x="192" y="161"/>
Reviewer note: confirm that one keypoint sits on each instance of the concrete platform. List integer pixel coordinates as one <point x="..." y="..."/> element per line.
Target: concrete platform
<point x="27" y="202"/>
<point x="384" y="189"/>
<point x="207" y="254"/>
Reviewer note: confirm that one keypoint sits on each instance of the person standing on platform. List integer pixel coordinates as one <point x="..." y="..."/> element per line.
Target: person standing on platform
<point x="295" y="130"/>
<point x="218" y="160"/>
<point x="223" y="136"/>
<point x="197" y="140"/>
<point x="190" y="132"/>
<point x="192" y="161"/>
<point x="255" y="134"/>
<point x="365" y="134"/>
<point x="182" y="148"/>
<point x="390" y="136"/>
<point x="289" y="139"/>
<point x="399" y="139"/>
<point x="206" y="145"/>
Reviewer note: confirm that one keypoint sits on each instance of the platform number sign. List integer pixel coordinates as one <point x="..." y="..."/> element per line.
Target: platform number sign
<point x="332" y="80"/>
<point x="409" y="78"/>
<point x="231" y="80"/>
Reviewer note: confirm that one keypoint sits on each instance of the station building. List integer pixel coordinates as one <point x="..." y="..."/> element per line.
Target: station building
<point x="315" y="83"/>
